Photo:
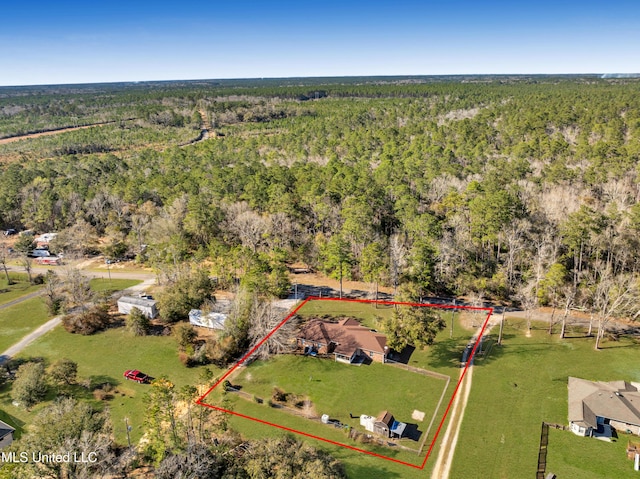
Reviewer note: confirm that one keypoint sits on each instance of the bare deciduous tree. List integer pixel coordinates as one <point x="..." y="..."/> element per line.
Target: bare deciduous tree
<point x="264" y="318"/>
<point x="528" y="300"/>
<point x="397" y="258"/>
<point x="615" y="296"/>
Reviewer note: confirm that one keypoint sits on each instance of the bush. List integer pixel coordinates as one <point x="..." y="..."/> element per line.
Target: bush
<point x="29" y="387"/>
<point x="190" y="290"/>
<point x="138" y="323"/>
<point x="64" y="371"/>
<point x="279" y="395"/>
<point x="88" y="322"/>
<point x="185" y="334"/>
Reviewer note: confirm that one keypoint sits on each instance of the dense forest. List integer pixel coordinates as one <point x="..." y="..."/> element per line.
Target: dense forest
<point x="520" y="189"/>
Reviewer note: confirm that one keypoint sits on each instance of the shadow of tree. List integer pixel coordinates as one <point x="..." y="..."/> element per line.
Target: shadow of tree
<point x="14" y="422"/>
<point x="371" y="471"/>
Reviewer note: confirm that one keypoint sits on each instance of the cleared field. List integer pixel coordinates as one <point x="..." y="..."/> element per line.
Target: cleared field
<point x="19" y="320"/>
<point x="112" y="285"/>
<point x="571" y="456"/>
<point x="103" y="357"/>
<point x="367" y="313"/>
<point x="16" y="291"/>
<point x="341" y="390"/>
<point x="523" y="383"/>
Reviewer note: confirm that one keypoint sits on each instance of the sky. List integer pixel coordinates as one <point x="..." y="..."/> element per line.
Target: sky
<point x="56" y="42"/>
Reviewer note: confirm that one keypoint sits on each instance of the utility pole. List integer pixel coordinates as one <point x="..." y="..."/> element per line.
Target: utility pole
<point x="453" y="311"/>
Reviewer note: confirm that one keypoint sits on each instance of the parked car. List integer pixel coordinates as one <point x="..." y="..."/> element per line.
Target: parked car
<point x="10" y="232"/>
<point x="40" y="252"/>
<point x="135" y="375"/>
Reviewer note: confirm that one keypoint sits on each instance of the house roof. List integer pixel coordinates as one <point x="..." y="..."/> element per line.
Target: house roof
<point x="385" y="417"/>
<point x="5" y="429"/>
<point x="617" y="400"/>
<point x="347" y="334"/>
<point x="147" y="303"/>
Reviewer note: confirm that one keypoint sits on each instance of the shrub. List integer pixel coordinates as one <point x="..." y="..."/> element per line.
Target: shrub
<point x="278" y="395"/>
<point x="64" y="371"/>
<point x="185" y="334"/>
<point x="138" y="323"/>
<point x="88" y="322"/>
<point x="29" y="387"/>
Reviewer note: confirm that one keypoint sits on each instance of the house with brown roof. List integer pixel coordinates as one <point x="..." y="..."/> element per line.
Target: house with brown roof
<point x="346" y="339"/>
<point x="596" y="407"/>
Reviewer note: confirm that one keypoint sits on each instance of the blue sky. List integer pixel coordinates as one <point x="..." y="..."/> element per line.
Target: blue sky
<point x="82" y="42"/>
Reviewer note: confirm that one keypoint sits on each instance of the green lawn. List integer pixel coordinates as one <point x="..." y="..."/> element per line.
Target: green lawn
<point x="523" y="383"/>
<point x="361" y="391"/>
<point x="357" y="464"/>
<point x="14" y="291"/>
<point x="112" y="285"/>
<point x="104" y="357"/>
<point x="340" y="389"/>
<point x="19" y="320"/>
<point x="365" y="312"/>
<point x="569" y="455"/>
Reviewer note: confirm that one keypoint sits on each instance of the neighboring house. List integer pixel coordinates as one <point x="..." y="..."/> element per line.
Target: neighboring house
<point x="6" y="434"/>
<point x="209" y="320"/>
<point x="147" y="306"/>
<point x="384" y="425"/>
<point x="595" y="407"/>
<point x="347" y="339"/>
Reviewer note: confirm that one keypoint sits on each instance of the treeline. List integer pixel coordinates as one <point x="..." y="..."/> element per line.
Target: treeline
<point x="522" y="191"/>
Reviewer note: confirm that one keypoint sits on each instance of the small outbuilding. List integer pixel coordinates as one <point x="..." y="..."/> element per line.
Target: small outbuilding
<point x="6" y="434"/>
<point x="209" y="320"/>
<point x="383" y="423"/>
<point x="145" y="305"/>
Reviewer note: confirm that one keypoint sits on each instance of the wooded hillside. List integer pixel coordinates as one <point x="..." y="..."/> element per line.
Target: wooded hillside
<point x="523" y="189"/>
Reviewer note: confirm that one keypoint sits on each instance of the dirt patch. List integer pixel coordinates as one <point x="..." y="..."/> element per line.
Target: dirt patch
<point x="315" y="279"/>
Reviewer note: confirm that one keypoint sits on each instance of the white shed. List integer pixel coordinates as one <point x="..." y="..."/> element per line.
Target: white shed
<point x="147" y="306"/>
<point x="367" y="422"/>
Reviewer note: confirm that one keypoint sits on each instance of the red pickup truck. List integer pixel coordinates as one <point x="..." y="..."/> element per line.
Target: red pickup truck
<point x="135" y="375"/>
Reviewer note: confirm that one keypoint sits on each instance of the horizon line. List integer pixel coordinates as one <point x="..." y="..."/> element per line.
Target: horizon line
<point x="607" y="75"/>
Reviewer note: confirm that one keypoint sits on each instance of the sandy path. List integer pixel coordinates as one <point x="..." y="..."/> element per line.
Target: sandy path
<point x="51" y="132"/>
<point x="444" y="460"/>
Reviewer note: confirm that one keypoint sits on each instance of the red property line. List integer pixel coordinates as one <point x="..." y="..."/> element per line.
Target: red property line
<point x="201" y="402"/>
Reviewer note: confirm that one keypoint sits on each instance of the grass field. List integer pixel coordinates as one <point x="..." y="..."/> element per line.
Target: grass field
<point x="365" y="312"/>
<point x="340" y="389"/>
<point x="354" y="387"/>
<point x="104" y="357"/>
<point x="112" y="285"/>
<point x="523" y="383"/>
<point x="587" y="458"/>
<point x="19" y="320"/>
<point x="9" y="292"/>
